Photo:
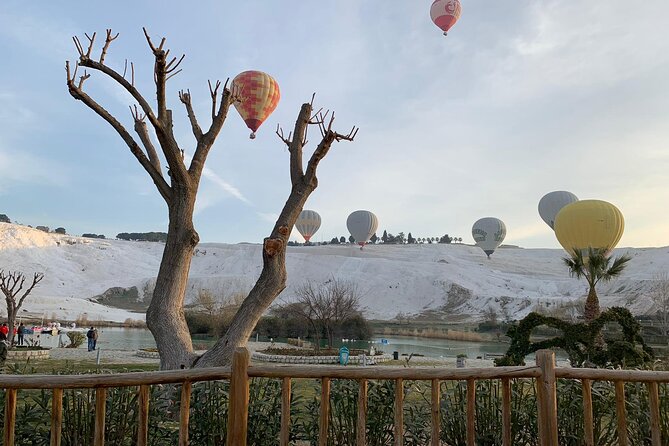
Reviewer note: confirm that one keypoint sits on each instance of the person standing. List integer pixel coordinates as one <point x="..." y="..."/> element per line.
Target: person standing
<point x="4" y="330"/>
<point x="95" y="338"/>
<point x="4" y="348"/>
<point x="91" y="341"/>
<point x="21" y="333"/>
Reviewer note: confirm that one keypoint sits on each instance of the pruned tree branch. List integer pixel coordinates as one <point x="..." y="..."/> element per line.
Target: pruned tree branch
<point x="213" y="91"/>
<point x="279" y="133"/>
<point x="160" y="76"/>
<point x="110" y="38"/>
<point x="143" y="133"/>
<point x="156" y="176"/>
<point x="204" y="144"/>
<point x="185" y="98"/>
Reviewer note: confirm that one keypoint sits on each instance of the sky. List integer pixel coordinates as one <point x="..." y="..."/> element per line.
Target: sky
<point x="522" y="98"/>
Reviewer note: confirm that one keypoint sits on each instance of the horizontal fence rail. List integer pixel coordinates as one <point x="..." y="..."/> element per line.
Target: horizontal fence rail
<point x="544" y="374"/>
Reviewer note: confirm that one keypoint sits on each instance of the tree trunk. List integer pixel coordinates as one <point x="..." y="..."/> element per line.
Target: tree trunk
<point x="11" y="320"/>
<point x="591" y="305"/>
<point x="270" y="284"/>
<point x="165" y="316"/>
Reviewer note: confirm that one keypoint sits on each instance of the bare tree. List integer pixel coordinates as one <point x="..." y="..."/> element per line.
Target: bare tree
<point x="660" y="296"/>
<point x="165" y="315"/>
<point x="11" y="285"/>
<point x="205" y="299"/>
<point x="326" y="306"/>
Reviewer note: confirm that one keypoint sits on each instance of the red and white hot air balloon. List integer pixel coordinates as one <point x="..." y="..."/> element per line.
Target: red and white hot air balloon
<point x="445" y="13"/>
<point x="259" y="96"/>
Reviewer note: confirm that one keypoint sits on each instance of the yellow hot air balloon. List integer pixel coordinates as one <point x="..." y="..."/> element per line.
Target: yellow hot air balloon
<point x="589" y="224"/>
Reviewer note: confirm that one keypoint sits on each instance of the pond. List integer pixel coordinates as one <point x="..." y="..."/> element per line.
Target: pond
<point x="119" y="338"/>
<point x="109" y="338"/>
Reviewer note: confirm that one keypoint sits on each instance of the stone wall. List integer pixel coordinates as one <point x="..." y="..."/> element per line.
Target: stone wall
<point x="23" y="354"/>
<point x="285" y="359"/>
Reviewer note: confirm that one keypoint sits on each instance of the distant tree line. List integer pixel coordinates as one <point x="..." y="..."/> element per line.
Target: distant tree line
<point x="390" y="239"/>
<point x="143" y="236"/>
<point x="88" y="235"/>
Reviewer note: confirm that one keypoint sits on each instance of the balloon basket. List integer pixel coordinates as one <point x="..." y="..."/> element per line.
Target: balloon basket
<point x="252" y="136"/>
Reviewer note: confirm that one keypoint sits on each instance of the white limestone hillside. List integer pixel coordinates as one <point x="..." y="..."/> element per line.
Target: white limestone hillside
<point x="445" y="282"/>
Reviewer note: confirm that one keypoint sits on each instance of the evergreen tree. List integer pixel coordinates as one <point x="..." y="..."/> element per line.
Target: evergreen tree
<point x="334" y="241"/>
<point x="374" y="238"/>
<point x="4" y="219"/>
<point x="351" y="239"/>
<point x="342" y="239"/>
<point x="410" y="239"/>
<point x="384" y="237"/>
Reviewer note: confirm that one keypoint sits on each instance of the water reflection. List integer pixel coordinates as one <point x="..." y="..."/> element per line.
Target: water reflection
<point x="109" y="338"/>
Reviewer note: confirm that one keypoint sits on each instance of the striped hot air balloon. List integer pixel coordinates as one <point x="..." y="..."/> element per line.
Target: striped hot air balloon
<point x="308" y="223"/>
<point x="259" y="96"/>
<point x="445" y="13"/>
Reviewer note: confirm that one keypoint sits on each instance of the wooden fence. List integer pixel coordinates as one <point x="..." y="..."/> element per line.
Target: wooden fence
<point x="545" y="373"/>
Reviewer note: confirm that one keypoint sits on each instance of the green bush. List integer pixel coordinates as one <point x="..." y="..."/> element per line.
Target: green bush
<point x="76" y="338"/>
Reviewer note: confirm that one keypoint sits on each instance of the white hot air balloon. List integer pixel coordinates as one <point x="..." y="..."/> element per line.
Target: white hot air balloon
<point x="551" y="203"/>
<point x="362" y="225"/>
<point x="308" y="223"/>
<point x="489" y="233"/>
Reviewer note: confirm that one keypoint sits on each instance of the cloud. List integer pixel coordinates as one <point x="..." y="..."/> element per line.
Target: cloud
<point x="17" y="166"/>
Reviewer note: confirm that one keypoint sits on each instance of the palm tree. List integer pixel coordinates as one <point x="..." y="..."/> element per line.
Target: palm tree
<point x="595" y="267"/>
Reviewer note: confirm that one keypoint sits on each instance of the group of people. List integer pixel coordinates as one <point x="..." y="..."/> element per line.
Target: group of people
<point x="20" y="331"/>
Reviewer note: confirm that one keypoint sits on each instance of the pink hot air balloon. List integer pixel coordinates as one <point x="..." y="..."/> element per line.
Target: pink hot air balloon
<point x="445" y="13"/>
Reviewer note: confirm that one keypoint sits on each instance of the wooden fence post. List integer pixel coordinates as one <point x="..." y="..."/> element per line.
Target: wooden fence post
<point x="56" y="416"/>
<point x="10" y="417"/>
<point x="100" y="407"/>
<point x="239" y="398"/>
<point x="547" y="398"/>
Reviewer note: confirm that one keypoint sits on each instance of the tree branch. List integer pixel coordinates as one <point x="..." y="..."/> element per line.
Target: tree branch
<point x="213" y="91"/>
<point x="143" y="133"/>
<point x="37" y="278"/>
<point x="329" y="136"/>
<point x="297" y="144"/>
<point x="185" y="98"/>
<point x="156" y="176"/>
<point x="207" y="140"/>
<point x="160" y="73"/>
<point x="108" y="42"/>
<point x="130" y="88"/>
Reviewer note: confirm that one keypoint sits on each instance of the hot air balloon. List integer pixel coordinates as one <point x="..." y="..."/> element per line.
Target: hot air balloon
<point x="551" y="203"/>
<point x="445" y="13"/>
<point x="308" y="223"/>
<point x="489" y="233"/>
<point x="259" y="96"/>
<point x="589" y="224"/>
<point x="362" y="225"/>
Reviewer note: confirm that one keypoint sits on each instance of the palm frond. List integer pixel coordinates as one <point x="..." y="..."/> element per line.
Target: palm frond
<point x="617" y="267"/>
